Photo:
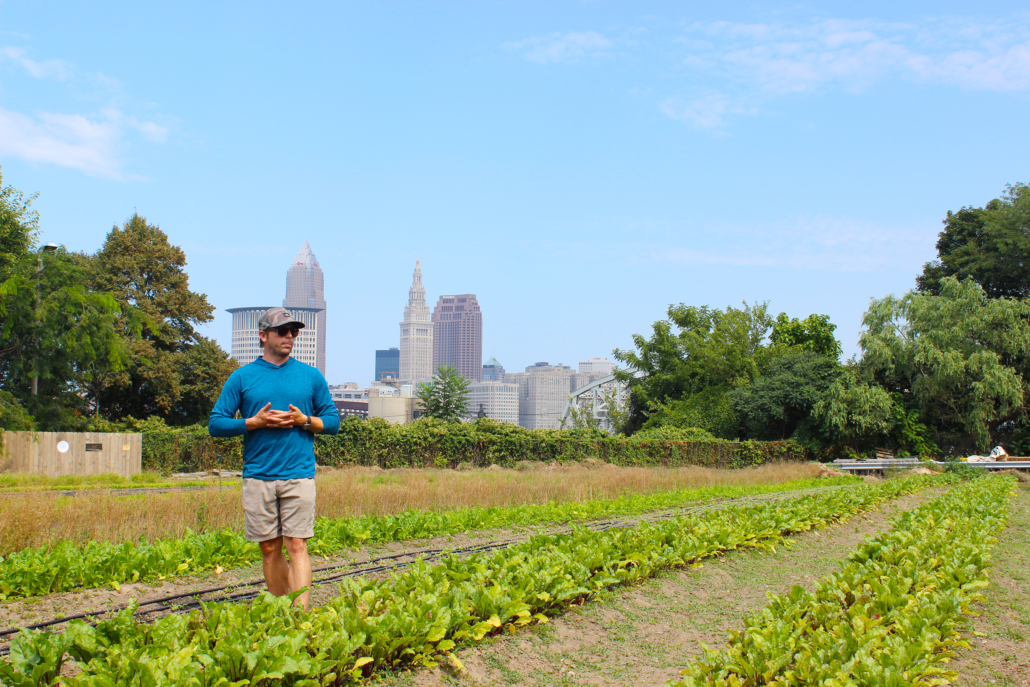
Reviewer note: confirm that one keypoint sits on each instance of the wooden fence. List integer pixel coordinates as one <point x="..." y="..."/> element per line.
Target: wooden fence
<point x="57" y="454"/>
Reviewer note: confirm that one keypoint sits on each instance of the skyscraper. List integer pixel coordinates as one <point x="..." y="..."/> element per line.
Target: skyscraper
<point x="458" y="335"/>
<point x="388" y="364"/>
<point x="493" y="371"/>
<point x="305" y="288"/>
<point x="416" y="333"/>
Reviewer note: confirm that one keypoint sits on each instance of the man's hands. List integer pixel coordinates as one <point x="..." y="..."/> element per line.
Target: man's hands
<point x="282" y="419"/>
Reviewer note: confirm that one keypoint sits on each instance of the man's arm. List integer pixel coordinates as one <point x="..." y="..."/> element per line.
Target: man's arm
<point x="223" y="422"/>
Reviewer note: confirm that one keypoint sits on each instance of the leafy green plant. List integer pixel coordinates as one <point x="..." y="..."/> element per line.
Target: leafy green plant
<point x="65" y="566"/>
<point x="413" y="618"/>
<point x="890" y="617"/>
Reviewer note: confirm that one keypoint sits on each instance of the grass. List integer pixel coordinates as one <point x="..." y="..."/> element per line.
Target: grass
<point x="39" y="518"/>
<point x="13" y="481"/>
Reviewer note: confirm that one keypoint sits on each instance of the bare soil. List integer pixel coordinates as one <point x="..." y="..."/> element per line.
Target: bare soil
<point x="647" y="634"/>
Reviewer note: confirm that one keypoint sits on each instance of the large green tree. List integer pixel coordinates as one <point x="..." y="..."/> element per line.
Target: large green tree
<point x="54" y="329"/>
<point x="814" y="333"/>
<point x="956" y="354"/>
<point x="175" y="373"/>
<point x="695" y="348"/>
<point x="777" y="403"/>
<point x="990" y="245"/>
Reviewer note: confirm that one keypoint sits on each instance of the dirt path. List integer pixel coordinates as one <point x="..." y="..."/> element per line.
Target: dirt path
<point x="1000" y="653"/>
<point x="646" y="635"/>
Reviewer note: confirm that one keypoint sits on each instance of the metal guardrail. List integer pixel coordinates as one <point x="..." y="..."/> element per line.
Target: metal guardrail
<point x="902" y="463"/>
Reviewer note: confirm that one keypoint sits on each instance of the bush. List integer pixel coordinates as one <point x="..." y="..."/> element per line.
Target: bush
<point x="434" y="443"/>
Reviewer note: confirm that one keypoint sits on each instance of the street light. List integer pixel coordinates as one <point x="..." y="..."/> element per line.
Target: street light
<point x="48" y="247"/>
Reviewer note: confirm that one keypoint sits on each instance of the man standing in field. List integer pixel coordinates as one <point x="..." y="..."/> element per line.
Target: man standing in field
<point x="285" y="403"/>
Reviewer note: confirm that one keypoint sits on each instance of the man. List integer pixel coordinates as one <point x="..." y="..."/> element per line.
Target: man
<point x="285" y="403"/>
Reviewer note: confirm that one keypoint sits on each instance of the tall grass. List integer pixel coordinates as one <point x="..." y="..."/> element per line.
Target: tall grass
<point x="41" y="518"/>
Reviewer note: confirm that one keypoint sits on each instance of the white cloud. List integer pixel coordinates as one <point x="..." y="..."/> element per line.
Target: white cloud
<point x="91" y="145"/>
<point x="708" y="112"/>
<point x="820" y="243"/>
<point x="856" y="54"/>
<point x="56" y="69"/>
<point x="562" y="47"/>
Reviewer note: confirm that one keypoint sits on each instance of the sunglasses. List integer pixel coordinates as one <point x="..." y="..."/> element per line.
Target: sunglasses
<point x="285" y="329"/>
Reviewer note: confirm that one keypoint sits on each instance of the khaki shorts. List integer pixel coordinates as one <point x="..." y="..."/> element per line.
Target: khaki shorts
<point x="279" y="508"/>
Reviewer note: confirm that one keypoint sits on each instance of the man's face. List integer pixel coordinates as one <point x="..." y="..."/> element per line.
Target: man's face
<point x="279" y="340"/>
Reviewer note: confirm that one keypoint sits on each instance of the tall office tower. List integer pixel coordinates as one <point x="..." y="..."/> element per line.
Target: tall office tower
<point x="493" y="371"/>
<point x="305" y="288"/>
<point x="543" y="392"/>
<point x="246" y="346"/>
<point x="458" y="335"/>
<point x="388" y="364"/>
<point x="416" y="362"/>
<point x="498" y="400"/>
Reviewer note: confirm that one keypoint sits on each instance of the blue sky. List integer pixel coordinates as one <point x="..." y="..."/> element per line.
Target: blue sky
<point x="579" y="166"/>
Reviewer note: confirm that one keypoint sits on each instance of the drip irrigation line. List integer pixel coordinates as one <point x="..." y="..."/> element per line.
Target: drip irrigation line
<point x="156" y="607"/>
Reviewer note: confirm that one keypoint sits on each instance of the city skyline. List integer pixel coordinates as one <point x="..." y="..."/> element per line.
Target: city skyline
<point x="609" y="158"/>
<point x="305" y="288"/>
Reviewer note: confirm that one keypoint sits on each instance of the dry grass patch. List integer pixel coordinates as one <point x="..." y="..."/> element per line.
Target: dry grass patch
<point x="37" y="519"/>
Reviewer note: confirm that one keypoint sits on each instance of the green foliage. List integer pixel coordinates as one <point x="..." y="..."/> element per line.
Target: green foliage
<point x="429" y="442"/>
<point x="65" y="566"/>
<point x="413" y="618"/>
<point x="853" y="411"/>
<point x="776" y="403"/>
<point x="989" y="245"/>
<point x="814" y="333"/>
<point x="710" y="410"/>
<point x="890" y="617"/>
<point x="13" y="416"/>
<point x="446" y="396"/>
<point x="19" y="227"/>
<point x="53" y="326"/>
<point x="909" y="435"/>
<point x="670" y="433"/>
<point x="954" y="352"/>
<point x="174" y="372"/>
<point x="709" y="347"/>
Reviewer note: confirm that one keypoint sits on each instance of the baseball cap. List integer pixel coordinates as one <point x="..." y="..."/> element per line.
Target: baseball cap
<point x="277" y="317"/>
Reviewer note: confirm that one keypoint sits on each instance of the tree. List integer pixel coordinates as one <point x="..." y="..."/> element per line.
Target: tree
<point x="55" y="329"/>
<point x="710" y="347"/>
<point x="814" y="333"/>
<point x="854" y="412"/>
<point x="174" y="372"/>
<point x="956" y="353"/>
<point x="775" y="404"/>
<point x="19" y="226"/>
<point x="446" y="396"/>
<point x="990" y="245"/>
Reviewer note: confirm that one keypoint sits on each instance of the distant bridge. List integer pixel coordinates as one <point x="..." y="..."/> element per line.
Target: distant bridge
<point x="596" y="396"/>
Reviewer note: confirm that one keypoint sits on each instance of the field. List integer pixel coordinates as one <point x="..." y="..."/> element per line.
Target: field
<point x="555" y="576"/>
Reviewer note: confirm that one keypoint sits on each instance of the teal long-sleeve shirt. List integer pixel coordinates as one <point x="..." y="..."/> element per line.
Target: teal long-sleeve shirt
<point x="273" y="453"/>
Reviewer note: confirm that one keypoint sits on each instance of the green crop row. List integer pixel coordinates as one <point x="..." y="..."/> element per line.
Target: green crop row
<point x="890" y="617"/>
<point x="65" y="566"/>
<point x="416" y="617"/>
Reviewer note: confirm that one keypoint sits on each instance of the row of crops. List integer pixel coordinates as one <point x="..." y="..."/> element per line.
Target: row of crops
<point x="896" y="585"/>
<point x="66" y="566"/>
<point x="891" y="616"/>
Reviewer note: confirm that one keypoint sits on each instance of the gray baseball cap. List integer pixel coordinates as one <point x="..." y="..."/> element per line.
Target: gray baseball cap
<point x="277" y="317"/>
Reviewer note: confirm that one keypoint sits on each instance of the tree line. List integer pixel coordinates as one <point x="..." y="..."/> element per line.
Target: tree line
<point x="100" y="341"/>
<point x="943" y="369"/>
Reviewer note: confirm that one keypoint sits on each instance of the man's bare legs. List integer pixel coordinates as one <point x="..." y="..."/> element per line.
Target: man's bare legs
<point x="282" y="576"/>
